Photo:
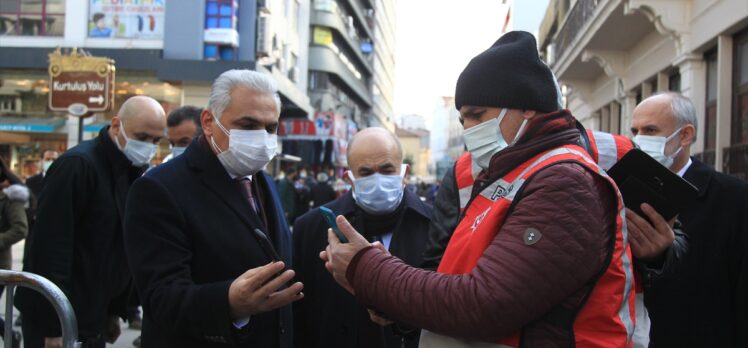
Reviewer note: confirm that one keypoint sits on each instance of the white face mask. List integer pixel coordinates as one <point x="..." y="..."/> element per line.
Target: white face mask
<point x="140" y="153"/>
<point x="248" y="153"/>
<point x="378" y="194"/>
<point x="177" y="150"/>
<point x="46" y="164"/>
<point x="485" y="140"/>
<point x="655" y="147"/>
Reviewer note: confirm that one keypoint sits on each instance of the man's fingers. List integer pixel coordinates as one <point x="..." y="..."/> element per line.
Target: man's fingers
<point x="660" y="225"/>
<point x="348" y="230"/>
<point x="323" y="256"/>
<point x="264" y="273"/>
<point x="332" y="238"/>
<point x="640" y="224"/>
<point x="283" y="297"/>
<point x="275" y="283"/>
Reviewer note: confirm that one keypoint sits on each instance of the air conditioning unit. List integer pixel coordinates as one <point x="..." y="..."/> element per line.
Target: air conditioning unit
<point x="264" y="36"/>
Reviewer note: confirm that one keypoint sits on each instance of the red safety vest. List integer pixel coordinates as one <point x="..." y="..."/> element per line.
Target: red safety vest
<point x="607" y="149"/>
<point x="608" y="316"/>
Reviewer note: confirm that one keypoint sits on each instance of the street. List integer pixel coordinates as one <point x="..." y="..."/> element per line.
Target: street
<point x="124" y="341"/>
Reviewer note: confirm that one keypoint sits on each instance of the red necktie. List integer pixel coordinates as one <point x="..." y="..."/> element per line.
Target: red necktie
<point x="247" y="186"/>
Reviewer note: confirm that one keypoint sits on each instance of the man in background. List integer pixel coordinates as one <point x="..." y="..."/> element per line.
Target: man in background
<point x="182" y="125"/>
<point x="77" y="241"/>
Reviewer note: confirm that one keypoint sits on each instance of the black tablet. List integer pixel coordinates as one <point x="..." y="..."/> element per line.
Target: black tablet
<point x="641" y="179"/>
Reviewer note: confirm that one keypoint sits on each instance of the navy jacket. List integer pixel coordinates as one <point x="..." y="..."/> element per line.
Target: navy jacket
<point x="328" y="316"/>
<point x="188" y="235"/>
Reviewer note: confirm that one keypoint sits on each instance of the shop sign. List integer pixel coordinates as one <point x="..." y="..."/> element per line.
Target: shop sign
<point x="80" y="83"/>
<point x="322" y="36"/>
<point x="131" y="19"/>
<point x="222" y="36"/>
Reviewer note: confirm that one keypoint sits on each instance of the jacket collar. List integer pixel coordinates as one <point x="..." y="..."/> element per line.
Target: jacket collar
<point x="201" y="159"/>
<point x="346" y="205"/>
<point x="700" y="175"/>
<point x="118" y="162"/>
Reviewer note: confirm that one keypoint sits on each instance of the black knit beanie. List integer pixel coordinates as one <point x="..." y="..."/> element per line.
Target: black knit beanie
<point x="510" y="75"/>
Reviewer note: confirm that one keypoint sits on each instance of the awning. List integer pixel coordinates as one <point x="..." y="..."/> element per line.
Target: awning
<point x="31" y="124"/>
<point x="95" y="127"/>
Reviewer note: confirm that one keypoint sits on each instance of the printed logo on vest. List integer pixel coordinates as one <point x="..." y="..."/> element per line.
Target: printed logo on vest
<point x="479" y="219"/>
<point x="501" y="192"/>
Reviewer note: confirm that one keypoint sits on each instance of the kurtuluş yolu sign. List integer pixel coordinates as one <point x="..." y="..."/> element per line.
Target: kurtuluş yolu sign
<point x="79" y="83"/>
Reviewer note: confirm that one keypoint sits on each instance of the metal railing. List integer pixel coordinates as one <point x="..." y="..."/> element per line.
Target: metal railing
<point x="12" y="279"/>
<point x="578" y="16"/>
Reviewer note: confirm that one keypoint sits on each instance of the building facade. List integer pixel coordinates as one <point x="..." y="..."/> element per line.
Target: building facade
<point x="350" y="80"/>
<point x="611" y="54"/>
<point x="167" y="49"/>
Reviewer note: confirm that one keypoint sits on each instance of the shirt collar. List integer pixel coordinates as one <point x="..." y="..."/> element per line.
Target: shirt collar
<point x="685" y="168"/>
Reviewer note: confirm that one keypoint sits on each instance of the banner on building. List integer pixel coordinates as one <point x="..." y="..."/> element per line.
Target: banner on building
<point x="129" y="19"/>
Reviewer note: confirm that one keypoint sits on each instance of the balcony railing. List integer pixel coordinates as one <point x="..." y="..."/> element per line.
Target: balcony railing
<point x="578" y="16"/>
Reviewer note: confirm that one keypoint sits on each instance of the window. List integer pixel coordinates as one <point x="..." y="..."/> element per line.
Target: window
<point x="740" y="73"/>
<point x="674" y="81"/>
<point x="32" y="17"/>
<point x="710" y="122"/>
<point x="221" y="14"/>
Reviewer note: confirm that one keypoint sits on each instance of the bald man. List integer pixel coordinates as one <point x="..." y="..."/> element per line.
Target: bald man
<point x="379" y="207"/>
<point x="77" y="241"/>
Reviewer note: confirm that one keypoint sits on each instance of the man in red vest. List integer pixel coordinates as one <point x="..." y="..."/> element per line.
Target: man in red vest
<point x="540" y="257"/>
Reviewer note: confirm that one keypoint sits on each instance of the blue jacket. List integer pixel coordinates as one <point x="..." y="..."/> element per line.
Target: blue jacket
<point x="188" y="235"/>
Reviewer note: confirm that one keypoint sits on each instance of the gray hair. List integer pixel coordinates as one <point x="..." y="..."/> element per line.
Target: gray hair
<point x="220" y="93"/>
<point x="683" y="111"/>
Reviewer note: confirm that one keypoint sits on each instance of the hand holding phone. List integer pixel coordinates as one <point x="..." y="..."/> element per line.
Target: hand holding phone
<point x="330" y="217"/>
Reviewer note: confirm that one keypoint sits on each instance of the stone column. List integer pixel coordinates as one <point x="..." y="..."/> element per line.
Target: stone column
<point x="693" y="85"/>
<point x="724" y="99"/>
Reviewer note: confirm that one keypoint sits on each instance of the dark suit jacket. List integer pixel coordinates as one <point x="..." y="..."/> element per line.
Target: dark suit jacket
<point x="705" y="301"/>
<point x="77" y="239"/>
<point x="188" y="233"/>
<point x="328" y="316"/>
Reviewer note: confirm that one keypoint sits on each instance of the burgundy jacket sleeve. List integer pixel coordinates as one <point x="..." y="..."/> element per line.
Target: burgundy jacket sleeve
<point x="513" y="283"/>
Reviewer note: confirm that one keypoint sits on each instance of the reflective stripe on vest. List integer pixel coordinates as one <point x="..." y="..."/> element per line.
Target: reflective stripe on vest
<point x="607" y="149"/>
<point x="607" y="318"/>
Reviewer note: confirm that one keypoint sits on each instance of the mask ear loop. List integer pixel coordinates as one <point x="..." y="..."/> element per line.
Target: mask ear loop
<point x="667" y="140"/>
<point x="212" y="140"/>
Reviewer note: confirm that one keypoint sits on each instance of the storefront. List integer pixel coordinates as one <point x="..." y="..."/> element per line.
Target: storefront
<point x="28" y="128"/>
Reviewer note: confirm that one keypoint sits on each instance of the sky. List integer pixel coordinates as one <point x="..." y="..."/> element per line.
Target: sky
<point x="437" y="38"/>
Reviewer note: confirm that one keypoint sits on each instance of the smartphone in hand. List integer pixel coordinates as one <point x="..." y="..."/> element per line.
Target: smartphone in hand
<point x="330" y="217"/>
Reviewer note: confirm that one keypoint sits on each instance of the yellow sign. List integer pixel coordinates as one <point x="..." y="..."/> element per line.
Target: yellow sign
<point x="322" y="36"/>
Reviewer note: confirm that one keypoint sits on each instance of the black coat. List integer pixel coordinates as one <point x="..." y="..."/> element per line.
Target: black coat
<point x="329" y="316"/>
<point x="322" y="193"/>
<point x="188" y="232"/>
<point x="77" y="239"/>
<point x="705" y="301"/>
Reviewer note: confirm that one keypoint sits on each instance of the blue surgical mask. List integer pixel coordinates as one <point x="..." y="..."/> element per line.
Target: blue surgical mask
<point x="485" y="140"/>
<point x="140" y="153"/>
<point x="177" y="150"/>
<point x="378" y="194"/>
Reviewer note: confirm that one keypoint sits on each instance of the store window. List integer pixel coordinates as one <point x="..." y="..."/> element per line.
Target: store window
<point x="28" y="128"/>
<point x="32" y="17"/>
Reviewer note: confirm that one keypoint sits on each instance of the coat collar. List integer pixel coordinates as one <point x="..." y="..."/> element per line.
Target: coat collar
<point x="118" y="162"/>
<point x="346" y="205"/>
<point x="201" y="159"/>
<point x="700" y="175"/>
